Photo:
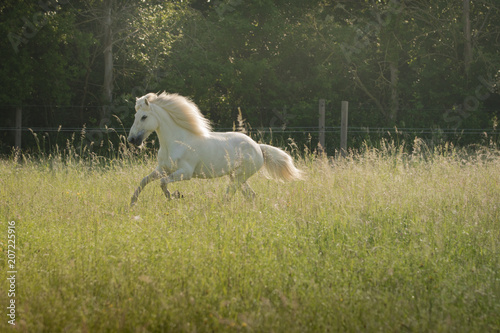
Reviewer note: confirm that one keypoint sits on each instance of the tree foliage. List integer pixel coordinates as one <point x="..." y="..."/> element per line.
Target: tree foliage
<point x="398" y="63"/>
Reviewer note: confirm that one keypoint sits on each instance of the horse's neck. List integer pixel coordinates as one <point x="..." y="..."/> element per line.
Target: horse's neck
<point x="169" y="133"/>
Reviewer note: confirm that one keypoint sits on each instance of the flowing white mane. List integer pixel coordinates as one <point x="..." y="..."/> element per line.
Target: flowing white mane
<point x="183" y="111"/>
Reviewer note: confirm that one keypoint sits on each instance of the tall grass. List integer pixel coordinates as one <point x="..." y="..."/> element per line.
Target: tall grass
<point x="382" y="240"/>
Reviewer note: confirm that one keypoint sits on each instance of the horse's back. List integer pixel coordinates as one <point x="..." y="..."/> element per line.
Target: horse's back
<point x="239" y="142"/>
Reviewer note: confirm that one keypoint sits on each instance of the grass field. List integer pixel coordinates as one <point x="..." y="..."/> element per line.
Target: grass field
<point x="381" y="241"/>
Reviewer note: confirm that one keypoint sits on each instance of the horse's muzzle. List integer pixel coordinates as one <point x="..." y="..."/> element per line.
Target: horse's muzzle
<point x="135" y="140"/>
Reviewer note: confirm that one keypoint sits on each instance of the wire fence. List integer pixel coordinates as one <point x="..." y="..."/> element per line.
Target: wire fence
<point x="331" y="129"/>
<point x="282" y="129"/>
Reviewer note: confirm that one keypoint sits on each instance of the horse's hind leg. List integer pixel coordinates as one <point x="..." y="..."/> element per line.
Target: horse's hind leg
<point x="232" y="187"/>
<point x="247" y="191"/>
<point x="238" y="181"/>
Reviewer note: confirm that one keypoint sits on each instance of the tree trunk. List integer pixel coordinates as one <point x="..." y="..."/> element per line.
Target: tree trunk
<point x="393" y="66"/>
<point x="467" y="37"/>
<point x="108" y="54"/>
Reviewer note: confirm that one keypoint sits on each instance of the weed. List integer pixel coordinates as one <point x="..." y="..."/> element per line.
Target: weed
<point x="382" y="240"/>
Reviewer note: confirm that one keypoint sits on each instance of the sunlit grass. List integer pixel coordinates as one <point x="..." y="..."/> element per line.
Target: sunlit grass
<point x="378" y="241"/>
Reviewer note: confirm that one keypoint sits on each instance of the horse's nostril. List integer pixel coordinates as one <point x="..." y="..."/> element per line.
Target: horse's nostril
<point x="135" y="140"/>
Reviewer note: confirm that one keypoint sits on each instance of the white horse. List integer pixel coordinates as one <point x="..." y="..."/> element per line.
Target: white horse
<point x="188" y="147"/>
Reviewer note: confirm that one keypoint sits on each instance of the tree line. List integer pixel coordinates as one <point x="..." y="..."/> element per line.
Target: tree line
<point x="418" y="63"/>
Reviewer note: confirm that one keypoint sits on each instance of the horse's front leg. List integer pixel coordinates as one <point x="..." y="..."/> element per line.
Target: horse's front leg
<point x="155" y="175"/>
<point x="163" y="186"/>
<point x="178" y="175"/>
<point x="168" y="195"/>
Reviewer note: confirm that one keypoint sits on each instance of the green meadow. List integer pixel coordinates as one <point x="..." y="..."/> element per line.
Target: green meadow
<point x="383" y="240"/>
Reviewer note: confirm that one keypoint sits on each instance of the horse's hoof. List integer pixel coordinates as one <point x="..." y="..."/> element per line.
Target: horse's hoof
<point x="177" y="195"/>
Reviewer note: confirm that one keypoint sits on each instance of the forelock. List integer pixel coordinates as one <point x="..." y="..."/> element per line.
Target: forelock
<point x="142" y="101"/>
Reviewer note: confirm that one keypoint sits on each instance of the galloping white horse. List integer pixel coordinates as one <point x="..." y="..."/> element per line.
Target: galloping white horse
<point x="188" y="147"/>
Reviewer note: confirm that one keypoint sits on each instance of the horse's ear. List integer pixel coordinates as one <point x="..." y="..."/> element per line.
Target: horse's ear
<point x="146" y="101"/>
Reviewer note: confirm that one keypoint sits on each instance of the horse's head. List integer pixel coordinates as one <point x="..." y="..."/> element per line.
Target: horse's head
<point x="145" y="122"/>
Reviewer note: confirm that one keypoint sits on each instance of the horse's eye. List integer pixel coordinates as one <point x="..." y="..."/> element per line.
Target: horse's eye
<point x="144" y="117"/>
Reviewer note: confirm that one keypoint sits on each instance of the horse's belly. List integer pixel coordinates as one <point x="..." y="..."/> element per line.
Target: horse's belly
<point x="210" y="171"/>
<point x="214" y="165"/>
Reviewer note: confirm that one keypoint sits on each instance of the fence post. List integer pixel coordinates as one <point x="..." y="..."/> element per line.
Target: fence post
<point x="19" y="125"/>
<point x="321" y="125"/>
<point x="343" y="128"/>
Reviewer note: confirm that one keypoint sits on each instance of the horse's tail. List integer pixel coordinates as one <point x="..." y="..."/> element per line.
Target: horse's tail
<point x="279" y="164"/>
